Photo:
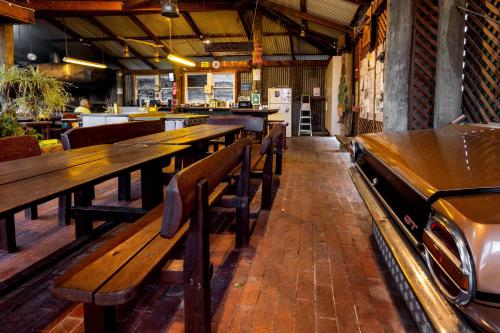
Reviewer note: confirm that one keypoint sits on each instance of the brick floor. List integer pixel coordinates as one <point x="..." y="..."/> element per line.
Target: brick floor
<point x="312" y="266"/>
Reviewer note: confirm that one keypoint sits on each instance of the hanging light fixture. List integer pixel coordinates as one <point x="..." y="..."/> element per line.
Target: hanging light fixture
<point x="126" y="51"/>
<point x="76" y="61"/>
<point x="84" y="62"/>
<point x="156" y="57"/>
<point x="180" y="60"/>
<point x="169" y="8"/>
<point x="303" y="32"/>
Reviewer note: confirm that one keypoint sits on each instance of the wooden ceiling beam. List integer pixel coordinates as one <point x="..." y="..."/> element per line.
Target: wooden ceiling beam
<point x="195" y="29"/>
<point x="292" y="27"/>
<point x="130" y="4"/>
<point x="76" y="6"/>
<point x="246" y="26"/>
<point x="13" y="13"/>
<point x="108" y="32"/>
<point x="305" y="16"/>
<point x="71" y="33"/>
<point x="149" y="33"/>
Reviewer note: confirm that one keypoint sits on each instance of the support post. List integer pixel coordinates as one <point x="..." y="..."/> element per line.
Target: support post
<point x="448" y="88"/>
<point x="6" y="45"/>
<point x="197" y="308"/>
<point x="257" y="52"/>
<point x="397" y="62"/>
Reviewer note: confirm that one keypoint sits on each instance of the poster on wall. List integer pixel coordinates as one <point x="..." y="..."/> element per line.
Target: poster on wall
<point x="316" y="92"/>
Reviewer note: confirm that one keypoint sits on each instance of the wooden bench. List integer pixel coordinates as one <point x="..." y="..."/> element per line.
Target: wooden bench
<point x="114" y="274"/>
<point x="272" y="144"/>
<point x="17" y="147"/>
<point x="105" y="134"/>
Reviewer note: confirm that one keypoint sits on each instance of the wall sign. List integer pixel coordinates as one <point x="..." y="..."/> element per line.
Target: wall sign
<point x="317" y="92"/>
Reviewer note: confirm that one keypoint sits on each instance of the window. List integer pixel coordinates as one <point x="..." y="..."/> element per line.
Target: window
<point x="145" y="88"/>
<point x="222" y="87"/>
<point x="153" y="87"/>
<point x="167" y="89"/>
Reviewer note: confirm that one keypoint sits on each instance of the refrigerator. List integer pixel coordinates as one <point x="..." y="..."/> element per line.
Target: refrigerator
<point x="281" y="99"/>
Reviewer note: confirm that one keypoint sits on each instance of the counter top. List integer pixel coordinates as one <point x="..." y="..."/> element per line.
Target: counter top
<point x="103" y="115"/>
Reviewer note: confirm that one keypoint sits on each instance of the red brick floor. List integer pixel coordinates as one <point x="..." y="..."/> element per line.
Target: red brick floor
<point x="312" y="266"/>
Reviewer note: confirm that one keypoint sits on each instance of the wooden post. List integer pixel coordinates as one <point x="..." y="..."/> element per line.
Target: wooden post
<point x="257" y="52"/>
<point x="267" y="178"/>
<point x="243" y="209"/>
<point x="178" y="82"/>
<point x="6" y="45"/>
<point x="197" y="308"/>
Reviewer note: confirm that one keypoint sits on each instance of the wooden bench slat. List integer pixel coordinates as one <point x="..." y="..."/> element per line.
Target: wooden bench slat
<point x="124" y="284"/>
<point x="80" y="282"/>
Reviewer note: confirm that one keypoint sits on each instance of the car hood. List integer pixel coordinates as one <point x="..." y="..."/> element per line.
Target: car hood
<point x="457" y="159"/>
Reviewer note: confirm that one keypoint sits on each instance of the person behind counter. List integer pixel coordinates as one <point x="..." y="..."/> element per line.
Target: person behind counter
<point x="84" y="106"/>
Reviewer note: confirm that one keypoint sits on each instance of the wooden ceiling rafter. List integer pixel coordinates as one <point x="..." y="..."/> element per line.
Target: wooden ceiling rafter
<point x="292" y="49"/>
<point x="149" y="33"/>
<point x="76" y="6"/>
<point x="303" y="8"/>
<point x="192" y="24"/>
<point x="76" y="37"/>
<point x="305" y="16"/>
<point x="294" y="28"/>
<point x="246" y="26"/>
<point x="115" y="38"/>
<point x="14" y="13"/>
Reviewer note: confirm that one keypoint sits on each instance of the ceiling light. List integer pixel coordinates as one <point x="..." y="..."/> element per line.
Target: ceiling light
<point x="206" y="41"/>
<point x="180" y="60"/>
<point x="169" y="8"/>
<point x="303" y="32"/>
<point x="84" y="62"/>
<point x="126" y="52"/>
<point x="156" y="57"/>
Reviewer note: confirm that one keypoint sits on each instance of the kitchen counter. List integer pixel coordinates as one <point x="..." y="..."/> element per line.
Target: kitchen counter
<point x="172" y="120"/>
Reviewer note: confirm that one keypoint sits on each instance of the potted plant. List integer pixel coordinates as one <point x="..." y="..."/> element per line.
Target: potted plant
<point x="28" y="92"/>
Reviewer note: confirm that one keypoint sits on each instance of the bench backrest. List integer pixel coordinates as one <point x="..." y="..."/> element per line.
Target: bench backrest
<point x="109" y="134"/>
<point x="16" y="147"/>
<point x="275" y="135"/>
<point x="181" y="192"/>
<point x="252" y="124"/>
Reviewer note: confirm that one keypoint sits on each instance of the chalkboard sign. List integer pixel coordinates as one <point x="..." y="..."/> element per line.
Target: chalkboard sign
<point x="196" y="80"/>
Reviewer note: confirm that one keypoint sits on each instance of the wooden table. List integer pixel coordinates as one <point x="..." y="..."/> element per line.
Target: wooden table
<point x="39" y="179"/>
<point x="254" y="112"/>
<point x="191" y="135"/>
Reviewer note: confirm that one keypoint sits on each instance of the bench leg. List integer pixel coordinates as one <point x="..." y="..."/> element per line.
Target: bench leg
<point x="243" y="210"/>
<point x="267" y="179"/>
<point x="279" y="154"/>
<point x="197" y="306"/>
<point x="99" y="319"/>
<point x="7" y="233"/>
<point x="64" y="209"/>
<point x="229" y="139"/>
<point x="151" y="185"/>
<point x="83" y="223"/>
<point x="31" y="213"/>
<point x="124" y="188"/>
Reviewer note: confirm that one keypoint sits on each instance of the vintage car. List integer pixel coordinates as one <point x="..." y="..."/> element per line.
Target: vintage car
<point x="434" y="196"/>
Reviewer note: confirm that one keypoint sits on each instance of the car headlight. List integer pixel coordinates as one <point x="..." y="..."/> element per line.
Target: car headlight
<point x="449" y="260"/>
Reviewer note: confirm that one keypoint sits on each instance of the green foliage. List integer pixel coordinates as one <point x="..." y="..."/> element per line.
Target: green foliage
<point x="342" y="91"/>
<point x="27" y="91"/>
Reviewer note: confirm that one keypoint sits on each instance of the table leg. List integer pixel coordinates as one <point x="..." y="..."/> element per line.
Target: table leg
<point x="151" y="185"/>
<point x="124" y="190"/>
<point x="64" y="209"/>
<point x="229" y="139"/>
<point x="7" y="233"/>
<point x="83" y="223"/>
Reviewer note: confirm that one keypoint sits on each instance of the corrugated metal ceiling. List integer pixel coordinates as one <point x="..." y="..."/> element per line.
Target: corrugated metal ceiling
<point x="335" y="10"/>
<point x="221" y="22"/>
<point x="121" y="26"/>
<point x="159" y="25"/>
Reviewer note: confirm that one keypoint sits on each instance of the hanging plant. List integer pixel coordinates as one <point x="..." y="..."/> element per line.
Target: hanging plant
<point x="30" y="93"/>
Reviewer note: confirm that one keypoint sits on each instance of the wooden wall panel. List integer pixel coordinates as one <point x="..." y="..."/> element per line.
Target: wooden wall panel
<point x="423" y="64"/>
<point x="481" y="84"/>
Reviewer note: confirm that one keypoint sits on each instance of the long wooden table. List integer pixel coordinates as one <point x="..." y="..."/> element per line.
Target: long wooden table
<point x="193" y="134"/>
<point x="38" y="179"/>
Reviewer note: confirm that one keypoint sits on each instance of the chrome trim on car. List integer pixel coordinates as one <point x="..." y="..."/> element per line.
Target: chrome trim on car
<point x="442" y="316"/>
<point x="466" y="265"/>
<point x="388" y="208"/>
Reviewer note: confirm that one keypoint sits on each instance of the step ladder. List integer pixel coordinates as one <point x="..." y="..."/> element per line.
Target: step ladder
<point x="305" y="120"/>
